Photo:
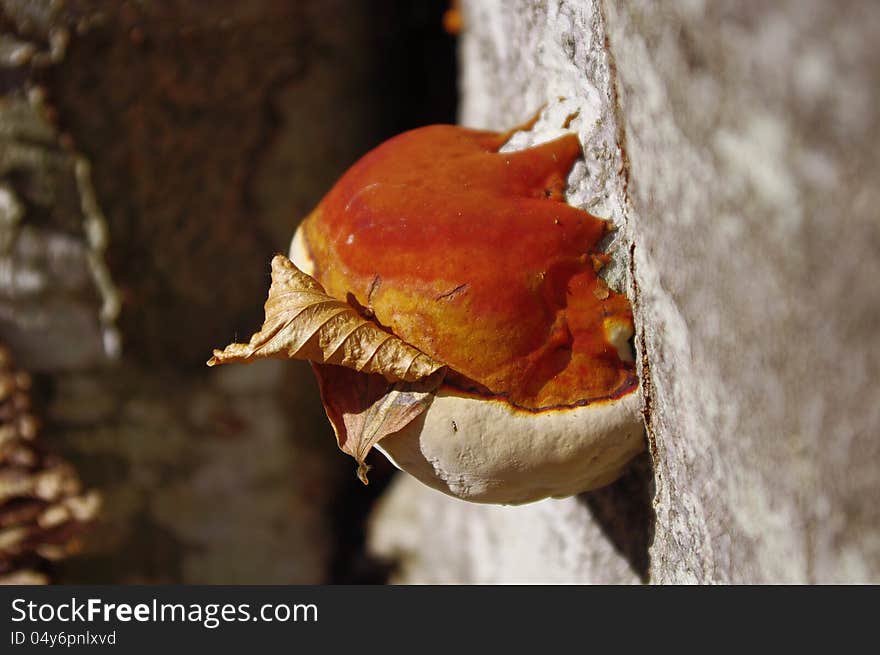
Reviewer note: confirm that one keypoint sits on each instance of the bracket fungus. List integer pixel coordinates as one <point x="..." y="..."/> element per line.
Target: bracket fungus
<point x="44" y="509"/>
<point x="450" y="302"/>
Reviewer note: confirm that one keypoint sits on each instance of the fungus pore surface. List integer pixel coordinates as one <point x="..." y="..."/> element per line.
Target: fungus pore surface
<point x="474" y="257"/>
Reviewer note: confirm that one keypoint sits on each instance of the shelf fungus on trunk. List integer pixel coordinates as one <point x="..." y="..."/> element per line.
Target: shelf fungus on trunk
<point x="44" y="510"/>
<point x="450" y="302"/>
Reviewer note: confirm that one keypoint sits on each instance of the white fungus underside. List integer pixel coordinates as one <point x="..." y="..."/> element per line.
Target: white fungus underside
<point x="486" y="451"/>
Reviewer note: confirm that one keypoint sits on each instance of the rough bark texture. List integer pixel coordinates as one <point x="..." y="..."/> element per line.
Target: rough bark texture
<point x="737" y="146"/>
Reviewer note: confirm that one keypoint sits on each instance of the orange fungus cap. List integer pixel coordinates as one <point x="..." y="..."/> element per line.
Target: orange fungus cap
<point x="472" y="256"/>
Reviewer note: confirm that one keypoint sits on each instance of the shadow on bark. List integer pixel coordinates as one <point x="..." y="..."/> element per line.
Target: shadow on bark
<point x="625" y="513"/>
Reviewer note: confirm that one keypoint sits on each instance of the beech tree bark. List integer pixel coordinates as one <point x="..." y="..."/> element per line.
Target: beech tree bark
<point x="737" y="148"/>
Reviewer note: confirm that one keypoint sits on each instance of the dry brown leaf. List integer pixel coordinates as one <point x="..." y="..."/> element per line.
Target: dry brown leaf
<point x="303" y="322"/>
<point x="364" y="408"/>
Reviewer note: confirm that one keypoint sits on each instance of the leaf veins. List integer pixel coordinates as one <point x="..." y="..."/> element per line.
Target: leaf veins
<point x="303" y="322"/>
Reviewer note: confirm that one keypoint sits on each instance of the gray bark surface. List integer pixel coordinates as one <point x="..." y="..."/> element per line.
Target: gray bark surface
<point x="737" y="148"/>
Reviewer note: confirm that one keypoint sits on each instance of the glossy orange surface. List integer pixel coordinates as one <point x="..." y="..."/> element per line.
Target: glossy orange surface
<point x="473" y="256"/>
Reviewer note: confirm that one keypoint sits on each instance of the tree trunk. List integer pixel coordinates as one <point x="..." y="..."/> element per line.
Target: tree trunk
<point x="737" y="147"/>
<point x="153" y="158"/>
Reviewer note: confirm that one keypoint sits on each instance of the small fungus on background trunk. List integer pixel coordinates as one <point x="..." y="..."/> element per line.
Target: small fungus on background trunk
<point x="44" y="509"/>
<point x="450" y="302"/>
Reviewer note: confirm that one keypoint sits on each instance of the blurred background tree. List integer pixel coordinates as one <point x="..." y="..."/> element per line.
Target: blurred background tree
<point x="154" y="156"/>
